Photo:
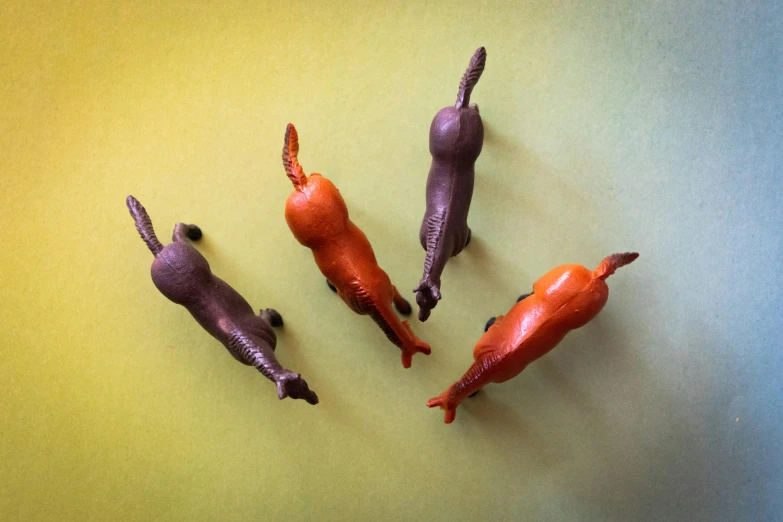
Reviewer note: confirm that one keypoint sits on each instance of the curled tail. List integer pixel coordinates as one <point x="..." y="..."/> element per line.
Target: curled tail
<point x="471" y="77"/>
<point x="144" y="225"/>
<point x="612" y="263"/>
<point x="293" y="169"/>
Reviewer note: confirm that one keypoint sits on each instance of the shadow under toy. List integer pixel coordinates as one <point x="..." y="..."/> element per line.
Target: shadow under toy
<point x="456" y="138"/>
<point x="183" y="275"/>
<point x="564" y="299"/>
<point x="318" y="217"/>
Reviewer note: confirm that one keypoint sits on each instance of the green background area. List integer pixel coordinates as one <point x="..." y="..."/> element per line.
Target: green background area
<point x="610" y="126"/>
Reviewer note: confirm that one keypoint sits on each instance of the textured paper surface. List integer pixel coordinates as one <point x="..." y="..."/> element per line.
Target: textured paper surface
<point x="646" y="126"/>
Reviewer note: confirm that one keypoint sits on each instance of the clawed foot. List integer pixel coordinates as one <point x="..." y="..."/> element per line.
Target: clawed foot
<point x="271" y="316"/>
<point x="292" y="385"/>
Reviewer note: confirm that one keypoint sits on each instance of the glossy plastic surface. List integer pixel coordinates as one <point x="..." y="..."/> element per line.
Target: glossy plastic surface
<point x="456" y="139"/>
<point x="318" y="217"/>
<point x="183" y="275"/>
<point x="565" y="298"/>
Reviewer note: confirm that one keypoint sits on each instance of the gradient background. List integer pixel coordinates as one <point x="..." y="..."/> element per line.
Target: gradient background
<point x="610" y="126"/>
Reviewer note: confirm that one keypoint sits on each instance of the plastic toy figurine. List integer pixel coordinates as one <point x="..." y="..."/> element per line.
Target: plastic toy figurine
<point x="566" y="298"/>
<point x="182" y="274"/>
<point x="456" y="138"/>
<point x="318" y="217"/>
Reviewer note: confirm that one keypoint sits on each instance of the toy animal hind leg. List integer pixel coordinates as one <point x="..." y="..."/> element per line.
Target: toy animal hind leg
<point x="183" y="232"/>
<point x="272" y="317"/>
<point x="492" y="320"/>
<point x="401" y="304"/>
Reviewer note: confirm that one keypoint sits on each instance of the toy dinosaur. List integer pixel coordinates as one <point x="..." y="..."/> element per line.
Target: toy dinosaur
<point x="318" y="217"/>
<point x="456" y="138"/>
<point x="183" y="275"/>
<point x="564" y="299"/>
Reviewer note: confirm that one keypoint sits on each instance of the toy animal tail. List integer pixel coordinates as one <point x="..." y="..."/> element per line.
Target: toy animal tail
<point x="471" y="77"/>
<point x="144" y="225"/>
<point x="293" y="169"/>
<point x="612" y="263"/>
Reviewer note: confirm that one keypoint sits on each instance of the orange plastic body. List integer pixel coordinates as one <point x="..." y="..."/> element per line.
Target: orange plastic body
<point x="564" y="299"/>
<point x="318" y="217"/>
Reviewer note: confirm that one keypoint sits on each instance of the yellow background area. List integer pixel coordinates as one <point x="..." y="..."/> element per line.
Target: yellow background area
<point x="610" y="126"/>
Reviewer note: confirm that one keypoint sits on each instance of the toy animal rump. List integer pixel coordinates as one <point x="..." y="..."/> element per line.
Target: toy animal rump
<point x="456" y="138"/>
<point x="318" y="217"/>
<point x="564" y="299"/>
<point x="182" y="274"/>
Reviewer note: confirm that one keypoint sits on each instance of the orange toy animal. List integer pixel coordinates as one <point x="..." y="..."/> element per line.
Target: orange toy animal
<point x="566" y="298"/>
<point x="318" y="217"/>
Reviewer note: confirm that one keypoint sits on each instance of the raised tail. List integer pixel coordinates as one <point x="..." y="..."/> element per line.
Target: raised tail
<point x="144" y="225"/>
<point x="293" y="169"/>
<point x="471" y="77"/>
<point x="611" y="263"/>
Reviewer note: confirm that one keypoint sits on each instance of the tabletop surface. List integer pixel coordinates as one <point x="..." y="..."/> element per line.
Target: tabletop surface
<point x="653" y="127"/>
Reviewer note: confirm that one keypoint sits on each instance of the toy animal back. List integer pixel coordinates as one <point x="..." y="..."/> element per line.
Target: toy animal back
<point x="564" y="299"/>
<point x="318" y="217"/>
<point x="183" y="275"/>
<point x="456" y="139"/>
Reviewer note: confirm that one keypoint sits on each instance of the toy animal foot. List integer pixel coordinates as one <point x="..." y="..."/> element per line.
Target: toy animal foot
<point x="523" y="296"/>
<point x="451" y="413"/>
<point x="489" y="323"/>
<point x="272" y="316"/>
<point x="292" y="385"/>
<point x="194" y="233"/>
<point x="470" y="235"/>
<point x="331" y="286"/>
<point x="403" y="306"/>
<point x="407" y="357"/>
<point x="427" y="296"/>
<point x="419" y="346"/>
